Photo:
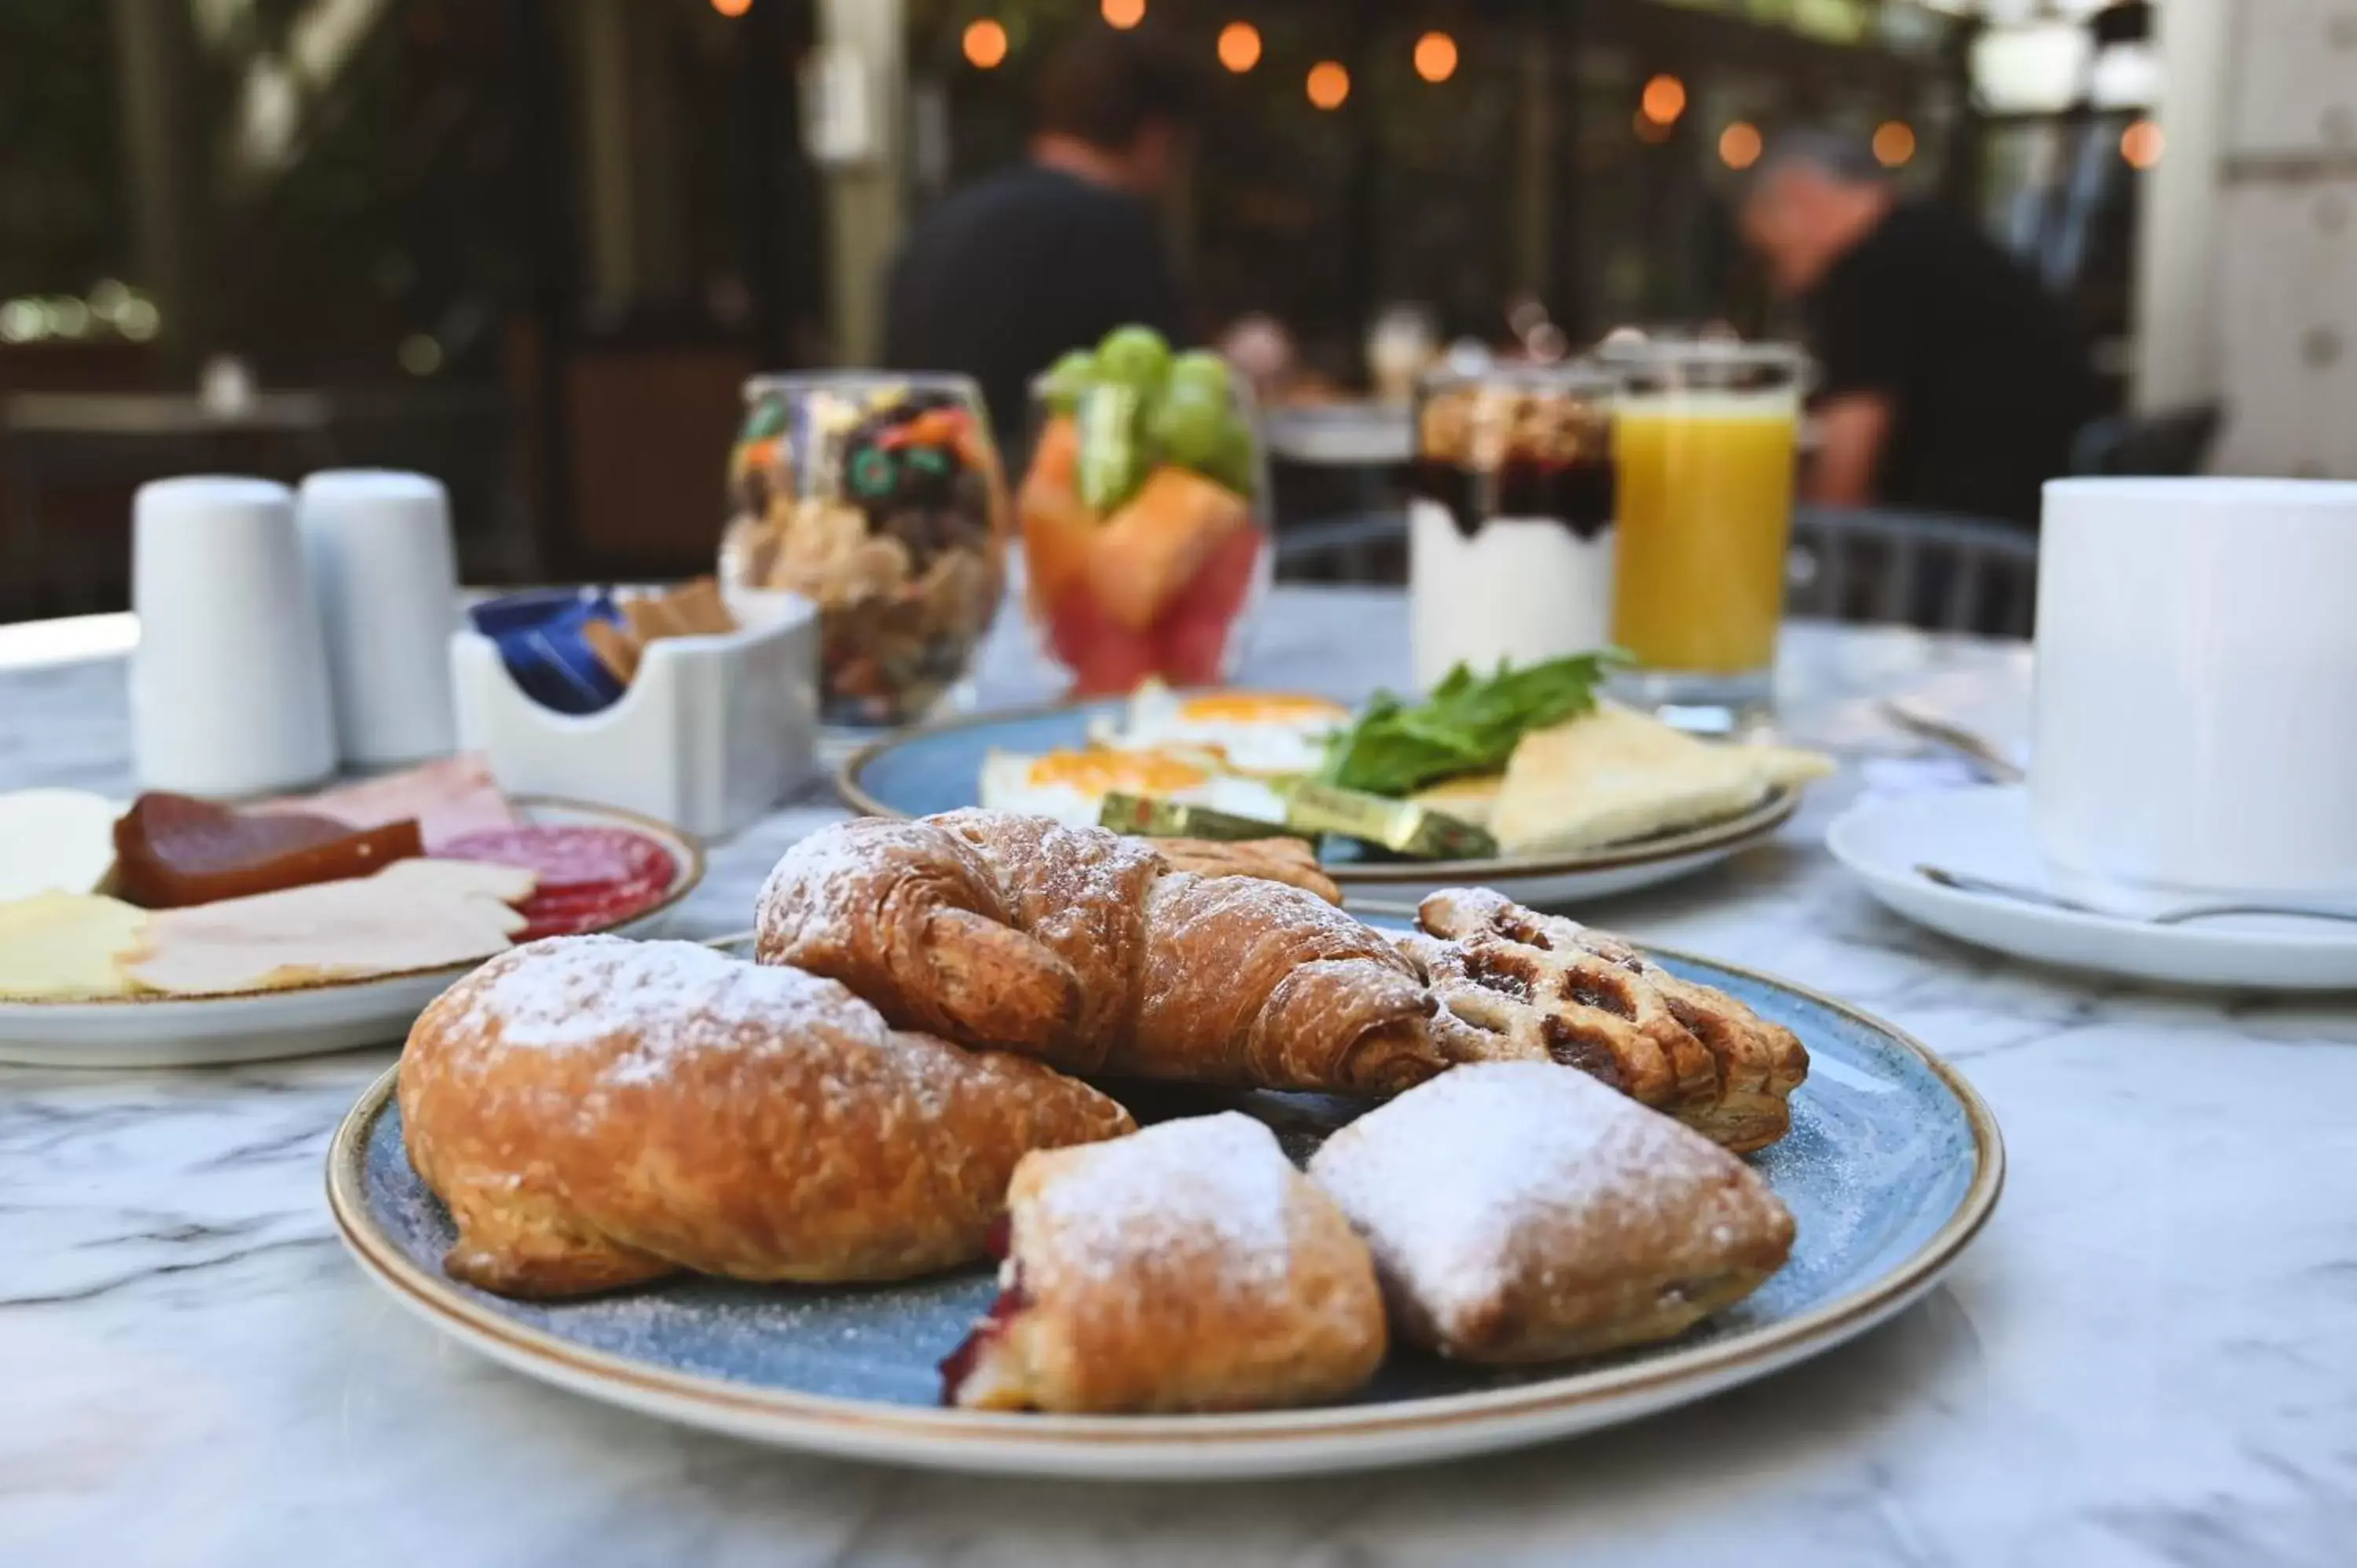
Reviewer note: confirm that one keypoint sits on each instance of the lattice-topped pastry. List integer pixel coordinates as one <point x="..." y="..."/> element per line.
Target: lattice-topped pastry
<point x="1517" y="985"/>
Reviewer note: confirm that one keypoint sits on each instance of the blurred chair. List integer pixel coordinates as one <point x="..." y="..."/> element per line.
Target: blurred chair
<point x="2173" y="441"/>
<point x="1944" y="574"/>
<point x="1360" y="547"/>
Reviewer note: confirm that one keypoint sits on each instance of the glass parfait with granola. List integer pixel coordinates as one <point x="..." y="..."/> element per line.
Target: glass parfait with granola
<point x="879" y="498"/>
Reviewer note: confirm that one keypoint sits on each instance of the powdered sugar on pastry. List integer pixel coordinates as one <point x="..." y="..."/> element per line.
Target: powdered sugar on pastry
<point x="1522" y="1211"/>
<point x="596" y="1111"/>
<point x="1207" y="1184"/>
<point x="1186" y="1267"/>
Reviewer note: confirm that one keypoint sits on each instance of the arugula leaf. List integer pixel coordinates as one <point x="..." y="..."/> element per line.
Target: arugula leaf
<point x="1470" y="723"/>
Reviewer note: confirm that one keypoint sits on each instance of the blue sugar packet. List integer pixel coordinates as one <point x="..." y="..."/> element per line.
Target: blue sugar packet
<point x="539" y="638"/>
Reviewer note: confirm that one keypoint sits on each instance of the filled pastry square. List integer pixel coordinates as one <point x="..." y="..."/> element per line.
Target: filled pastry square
<point x="1523" y="1211"/>
<point x="1188" y="1267"/>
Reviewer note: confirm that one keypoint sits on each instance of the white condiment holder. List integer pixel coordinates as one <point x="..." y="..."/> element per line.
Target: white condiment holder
<point x="714" y="730"/>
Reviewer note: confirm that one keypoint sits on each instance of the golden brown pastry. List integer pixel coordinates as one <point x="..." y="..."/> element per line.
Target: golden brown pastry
<point x="1186" y="1267"/>
<point x="1521" y="1211"/>
<point x="598" y="1111"/>
<point x="1290" y="860"/>
<point x="1515" y="984"/>
<point x="1086" y="950"/>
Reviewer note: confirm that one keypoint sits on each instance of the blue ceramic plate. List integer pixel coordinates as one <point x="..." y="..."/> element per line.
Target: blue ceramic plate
<point x="1891" y="1166"/>
<point x="939" y="768"/>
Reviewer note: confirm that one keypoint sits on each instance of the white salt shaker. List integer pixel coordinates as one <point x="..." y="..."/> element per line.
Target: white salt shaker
<point x="385" y="576"/>
<point x="228" y="687"/>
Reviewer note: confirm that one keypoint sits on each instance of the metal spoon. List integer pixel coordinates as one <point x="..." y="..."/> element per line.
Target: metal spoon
<point x="2174" y="916"/>
<point x="1995" y="764"/>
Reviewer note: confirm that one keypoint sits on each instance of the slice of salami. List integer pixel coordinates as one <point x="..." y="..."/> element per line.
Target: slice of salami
<point x="567" y="858"/>
<point x="590" y="878"/>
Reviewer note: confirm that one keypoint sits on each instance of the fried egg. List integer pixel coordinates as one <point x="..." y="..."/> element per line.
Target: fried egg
<point x="1071" y="785"/>
<point x="1253" y="732"/>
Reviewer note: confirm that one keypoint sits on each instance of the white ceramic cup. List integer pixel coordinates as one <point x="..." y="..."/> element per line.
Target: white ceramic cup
<point x="228" y="687"/>
<point x="384" y="575"/>
<point x="2196" y="693"/>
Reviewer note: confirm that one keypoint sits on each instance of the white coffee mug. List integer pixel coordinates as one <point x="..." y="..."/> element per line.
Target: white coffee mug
<point x="384" y="575"/>
<point x="2196" y="687"/>
<point x="229" y="687"/>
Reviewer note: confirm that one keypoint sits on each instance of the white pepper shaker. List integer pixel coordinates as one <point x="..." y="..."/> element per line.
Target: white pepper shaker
<point x="384" y="571"/>
<point x="228" y="687"/>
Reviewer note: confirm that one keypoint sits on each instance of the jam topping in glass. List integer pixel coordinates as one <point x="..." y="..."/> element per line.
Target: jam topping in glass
<point x="1518" y="446"/>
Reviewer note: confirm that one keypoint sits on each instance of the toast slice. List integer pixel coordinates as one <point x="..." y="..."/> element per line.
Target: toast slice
<point x="1612" y="775"/>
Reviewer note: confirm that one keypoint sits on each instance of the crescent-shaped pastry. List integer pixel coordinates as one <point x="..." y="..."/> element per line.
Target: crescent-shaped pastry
<point x="1086" y="950"/>
<point x="1186" y="1267"/>
<point x="597" y="1111"/>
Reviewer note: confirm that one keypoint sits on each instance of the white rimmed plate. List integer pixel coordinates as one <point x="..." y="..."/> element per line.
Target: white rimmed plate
<point x="263" y="1026"/>
<point x="939" y="768"/>
<point x="1892" y="1166"/>
<point x="1986" y="832"/>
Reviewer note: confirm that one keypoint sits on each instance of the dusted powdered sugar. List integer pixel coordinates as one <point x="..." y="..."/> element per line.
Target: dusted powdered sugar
<point x="564" y="993"/>
<point x="1444" y="1179"/>
<point x="1179" y="1190"/>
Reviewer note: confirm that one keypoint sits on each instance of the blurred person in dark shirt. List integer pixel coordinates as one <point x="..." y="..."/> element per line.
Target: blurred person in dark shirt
<point x="1949" y="380"/>
<point x="1050" y="254"/>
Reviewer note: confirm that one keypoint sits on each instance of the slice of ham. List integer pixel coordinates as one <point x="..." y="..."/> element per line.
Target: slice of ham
<point x="450" y="798"/>
<point x="414" y="913"/>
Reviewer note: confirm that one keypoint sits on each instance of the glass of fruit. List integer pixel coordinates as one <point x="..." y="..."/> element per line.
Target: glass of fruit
<point x="1146" y="542"/>
<point x="878" y="496"/>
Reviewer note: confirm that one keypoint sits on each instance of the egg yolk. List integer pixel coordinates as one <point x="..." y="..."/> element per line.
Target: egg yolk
<point x="1096" y="772"/>
<point x="1256" y="707"/>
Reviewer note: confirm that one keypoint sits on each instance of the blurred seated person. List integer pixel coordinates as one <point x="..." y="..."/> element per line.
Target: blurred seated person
<point x="1050" y="254"/>
<point x="1949" y="381"/>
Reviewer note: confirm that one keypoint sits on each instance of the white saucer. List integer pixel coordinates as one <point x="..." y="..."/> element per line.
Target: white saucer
<point x="1986" y="832"/>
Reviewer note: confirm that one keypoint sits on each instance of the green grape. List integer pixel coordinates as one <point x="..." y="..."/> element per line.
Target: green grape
<point x="1133" y="356"/>
<point x="1200" y="370"/>
<point x="1070" y="375"/>
<point x="1190" y="427"/>
<point x="1237" y="462"/>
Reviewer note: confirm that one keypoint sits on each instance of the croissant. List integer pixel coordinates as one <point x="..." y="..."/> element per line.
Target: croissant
<point x="1088" y="951"/>
<point x="596" y="1113"/>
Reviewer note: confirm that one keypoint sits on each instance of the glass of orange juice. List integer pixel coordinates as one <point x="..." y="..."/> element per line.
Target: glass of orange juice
<point x="1704" y="439"/>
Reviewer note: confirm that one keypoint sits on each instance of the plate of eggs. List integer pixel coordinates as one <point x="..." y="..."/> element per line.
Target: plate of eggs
<point x="1234" y="753"/>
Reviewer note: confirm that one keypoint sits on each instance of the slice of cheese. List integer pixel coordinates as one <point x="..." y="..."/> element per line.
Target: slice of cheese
<point x="58" y="945"/>
<point x="1472" y="799"/>
<point x="1613" y="775"/>
<point x="55" y="840"/>
<point x="414" y="913"/>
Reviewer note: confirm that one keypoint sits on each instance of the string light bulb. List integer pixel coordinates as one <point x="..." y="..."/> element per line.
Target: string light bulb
<point x="2141" y="143"/>
<point x="1328" y="84"/>
<point x="1436" y="57"/>
<point x="1894" y="142"/>
<point x="1240" y="46"/>
<point x="732" y="8"/>
<point x="1663" y="100"/>
<point x="1648" y="129"/>
<point x="1122" y="14"/>
<point x="1740" y="145"/>
<point x="985" y="44"/>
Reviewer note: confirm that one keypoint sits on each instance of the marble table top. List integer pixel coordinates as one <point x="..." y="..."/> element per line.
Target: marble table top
<point x="2148" y="1357"/>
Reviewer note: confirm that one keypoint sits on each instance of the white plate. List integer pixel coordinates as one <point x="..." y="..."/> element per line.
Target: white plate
<point x="1986" y="832"/>
<point x="264" y="1026"/>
